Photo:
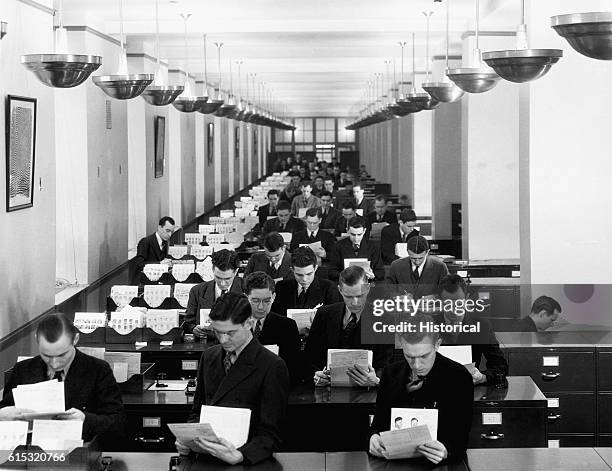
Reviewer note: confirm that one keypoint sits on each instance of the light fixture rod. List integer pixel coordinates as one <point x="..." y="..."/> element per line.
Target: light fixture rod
<point x="428" y="16"/>
<point x="413" y="65"/>
<point x="402" y="45"/>
<point x="121" y="35"/>
<point x="205" y="69"/>
<point x="447" y="28"/>
<point x="219" y="46"/>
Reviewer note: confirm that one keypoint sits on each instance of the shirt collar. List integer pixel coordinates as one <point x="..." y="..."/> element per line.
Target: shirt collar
<point x="51" y="373"/>
<point x="421" y="266"/>
<point x="313" y="233"/>
<point x="239" y="350"/>
<point x="347" y="316"/>
<point x="160" y="242"/>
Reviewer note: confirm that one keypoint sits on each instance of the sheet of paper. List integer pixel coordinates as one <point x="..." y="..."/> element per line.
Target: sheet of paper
<point x="120" y="372"/>
<point x="315" y="246"/>
<point x="47" y="396"/>
<point x="213" y="239"/>
<point x="187" y="433"/>
<point x="154" y="295"/>
<point x="411" y="417"/>
<point x="377" y="228"/>
<point x="302" y="212"/>
<point x="193" y="238"/>
<point x="462" y="354"/>
<point x="87" y="322"/>
<point x="56" y="434"/>
<point x="12" y="434"/>
<point x="23" y="357"/>
<point x="359" y="212"/>
<point x="302" y="317"/>
<point x="403" y="443"/>
<point x="201" y="251"/>
<point x="231" y="423"/>
<point x="162" y="320"/>
<point x="154" y="271"/>
<point x="205" y="269"/>
<point x="272" y="348"/>
<point x="123" y="294"/>
<point x="206" y="228"/>
<point x="401" y="249"/>
<point x="96" y="352"/>
<point x="182" y="271"/>
<point x="128" y="319"/>
<point x="216" y="220"/>
<point x="131" y="358"/>
<point x="181" y="292"/>
<point x="171" y="385"/>
<point x="362" y="262"/>
<point x="287" y="237"/>
<point x="340" y="359"/>
<point x="177" y="251"/>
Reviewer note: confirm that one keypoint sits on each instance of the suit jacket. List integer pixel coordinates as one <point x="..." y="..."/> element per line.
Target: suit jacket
<point x="325" y="333"/>
<point x="389" y="217"/>
<point x="147" y="251"/>
<point x="259" y="262"/>
<point x="329" y="219"/>
<point x="259" y="381"/>
<point x="327" y="240"/>
<point x="526" y="324"/>
<point x="297" y="203"/>
<point x="263" y="213"/>
<point x="484" y="345"/>
<point x="390" y="236"/>
<point x="89" y="386"/>
<point x="202" y="296"/>
<point x="320" y="291"/>
<point x="341" y="226"/>
<point x="293" y="225"/>
<point x="448" y="388"/>
<point x="366" y="204"/>
<point x="367" y="249"/>
<point x="400" y="273"/>
<point x="282" y="331"/>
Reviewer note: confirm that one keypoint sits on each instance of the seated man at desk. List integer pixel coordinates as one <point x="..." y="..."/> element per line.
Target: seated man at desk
<point x="305" y="290"/>
<point x="544" y="312"/>
<point x="268" y="209"/>
<point x="361" y="202"/>
<point x="240" y="372"/>
<point x="153" y="248"/>
<point x="275" y="260"/>
<point x="313" y="234"/>
<point x="339" y="326"/>
<point x="284" y="222"/>
<point x="347" y="213"/>
<point x="420" y="273"/>
<point x="381" y="212"/>
<point x="305" y="200"/>
<point x="425" y="379"/>
<point x="203" y="295"/>
<point x="269" y="327"/>
<point x="397" y="233"/>
<point x="356" y="245"/>
<point x="91" y="393"/>
<point x="329" y="214"/>
<point x="484" y="343"/>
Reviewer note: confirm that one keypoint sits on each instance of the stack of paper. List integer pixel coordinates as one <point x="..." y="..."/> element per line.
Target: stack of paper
<point x="57" y="435"/>
<point x="123" y="364"/>
<point x="302" y="317"/>
<point x="127" y="319"/>
<point x="154" y="271"/>
<point x="212" y="239"/>
<point x="181" y="292"/>
<point x="223" y="229"/>
<point x="44" y="397"/>
<point x="361" y="262"/>
<point x="201" y="251"/>
<point x="177" y="251"/>
<point x="206" y="228"/>
<point x="339" y="360"/>
<point x="162" y="320"/>
<point x="181" y="272"/>
<point x="205" y="269"/>
<point x="154" y="295"/>
<point x="231" y="423"/>
<point x="122" y="295"/>
<point x="401" y="249"/>
<point x="193" y="238"/>
<point x="87" y="322"/>
<point x="12" y="434"/>
<point x="213" y="220"/>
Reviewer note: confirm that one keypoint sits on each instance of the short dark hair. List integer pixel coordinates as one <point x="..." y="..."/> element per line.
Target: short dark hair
<point x="54" y="325"/>
<point x="283" y="205"/>
<point x="451" y="283"/>
<point x="294" y="173"/>
<point x="352" y="275"/>
<point x="418" y="332"/>
<point x="258" y="280"/>
<point x="348" y="182"/>
<point x="357" y="222"/>
<point x="418" y="244"/>
<point x="319" y="176"/>
<point x="312" y="212"/>
<point x="234" y="307"/>
<point x="397" y="419"/>
<point x="273" y="241"/>
<point x="272" y="192"/>
<point x="303" y="257"/>
<point x="407" y="215"/>
<point x="545" y="303"/>
<point x="305" y="183"/>
<point x="165" y="219"/>
<point x="325" y="193"/>
<point x="349" y="204"/>
<point x="225" y="260"/>
<point x="380" y="198"/>
<point x="357" y="183"/>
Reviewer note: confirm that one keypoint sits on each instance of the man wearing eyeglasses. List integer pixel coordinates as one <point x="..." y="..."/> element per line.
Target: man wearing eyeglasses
<point x="269" y="327"/>
<point x="339" y="326"/>
<point x="240" y="372"/>
<point x="420" y="273"/>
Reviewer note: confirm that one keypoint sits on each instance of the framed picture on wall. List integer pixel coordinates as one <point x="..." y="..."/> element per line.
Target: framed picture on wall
<point x="160" y="145"/>
<point x="255" y="141"/>
<point x="20" y="148"/>
<point x="210" y="141"/>
<point x="237" y="142"/>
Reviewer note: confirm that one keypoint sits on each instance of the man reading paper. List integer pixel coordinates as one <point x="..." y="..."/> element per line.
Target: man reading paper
<point x="240" y="372"/>
<point x="426" y="379"/>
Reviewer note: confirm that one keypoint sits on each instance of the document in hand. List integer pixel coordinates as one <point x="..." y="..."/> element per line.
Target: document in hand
<point x="401" y="249"/>
<point x="57" y="434"/>
<point x="462" y="354"/>
<point x="362" y="262"/>
<point x="315" y="246"/>
<point x="231" y="423"/>
<point x="187" y="433"/>
<point x="47" y="396"/>
<point x="339" y="360"/>
<point x="403" y="443"/>
<point x="204" y="317"/>
<point x="411" y="417"/>
<point x="272" y="348"/>
<point x="302" y="317"/>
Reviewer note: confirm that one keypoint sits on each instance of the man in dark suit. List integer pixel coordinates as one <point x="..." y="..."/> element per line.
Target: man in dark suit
<point x="544" y="312"/>
<point x="284" y="222"/>
<point x="453" y="290"/>
<point x="356" y="245"/>
<point x="292" y="189"/>
<point x="275" y="260"/>
<point x="202" y="296"/>
<point x="240" y="372"/>
<point x="426" y="379"/>
<point x="329" y="214"/>
<point x="268" y="209"/>
<point x="420" y="274"/>
<point x="153" y="248"/>
<point x="397" y="233"/>
<point x="339" y="326"/>
<point x="347" y="213"/>
<point x="313" y="234"/>
<point x="361" y="202"/>
<point x="305" y="290"/>
<point x="269" y="327"/>
<point x="381" y="213"/>
<point x="90" y="391"/>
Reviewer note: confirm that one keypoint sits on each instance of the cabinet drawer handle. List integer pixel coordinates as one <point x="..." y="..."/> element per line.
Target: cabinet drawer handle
<point x="554" y="417"/>
<point x="150" y="440"/>
<point x="550" y="376"/>
<point x="491" y="436"/>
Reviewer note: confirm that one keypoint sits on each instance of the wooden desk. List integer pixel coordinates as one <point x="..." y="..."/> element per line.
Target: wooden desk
<point x="536" y="459"/>
<point x="486" y="268"/>
<point x="361" y="461"/>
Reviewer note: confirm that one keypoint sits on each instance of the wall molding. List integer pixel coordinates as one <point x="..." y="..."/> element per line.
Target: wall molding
<point x="488" y="33"/>
<point x="95" y="32"/>
<point x="144" y="55"/>
<point x="38" y="6"/>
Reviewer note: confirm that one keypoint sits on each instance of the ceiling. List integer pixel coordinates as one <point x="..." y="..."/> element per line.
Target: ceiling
<point x="315" y="56"/>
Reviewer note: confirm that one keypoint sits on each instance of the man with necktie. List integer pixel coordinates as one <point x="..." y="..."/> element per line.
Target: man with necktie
<point x="268" y="209"/>
<point x="305" y="200"/>
<point x="426" y="379"/>
<point x="397" y="233"/>
<point x="284" y="221"/>
<point x="381" y="213"/>
<point x="154" y="247"/>
<point x="275" y="260"/>
<point x="240" y="372"/>
<point x="329" y="214"/>
<point x="312" y="234"/>
<point x="348" y="213"/>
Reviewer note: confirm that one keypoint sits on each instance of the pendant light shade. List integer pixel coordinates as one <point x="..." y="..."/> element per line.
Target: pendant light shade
<point x="61" y="70"/>
<point x="211" y="105"/>
<point x="418" y="100"/>
<point x="590" y="34"/>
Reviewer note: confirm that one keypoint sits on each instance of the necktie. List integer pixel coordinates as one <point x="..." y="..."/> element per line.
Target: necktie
<point x="272" y="212"/>
<point x="404" y="236"/>
<point x="257" y="329"/>
<point x="165" y="248"/>
<point x="415" y="384"/>
<point x="228" y="361"/>
<point x="223" y="291"/>
<point x="311" y="238"/>
<point x="58" y="375"/>
<point x="356" y="249"/>
<point x="301" y="299"/>
<point x="415" y="273"/>
<point x="282" y="228"/>
<point x="379" y="218"/>
<point x="347" y="332"/>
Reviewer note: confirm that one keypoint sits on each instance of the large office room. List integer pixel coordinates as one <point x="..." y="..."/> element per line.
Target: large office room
<point x="327" y="235"/>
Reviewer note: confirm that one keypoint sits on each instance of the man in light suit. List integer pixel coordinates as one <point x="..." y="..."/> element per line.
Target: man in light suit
<point x="154" y="247"/>
<point x="420" y="274"/>
<point x="305" y="200"/>
<point x="275" y="261"/>
<point x="240" y="372"/>
<point x="202" y="296"/>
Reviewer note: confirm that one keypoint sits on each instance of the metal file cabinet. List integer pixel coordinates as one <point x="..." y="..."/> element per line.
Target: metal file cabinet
<point x="603" y="343"/>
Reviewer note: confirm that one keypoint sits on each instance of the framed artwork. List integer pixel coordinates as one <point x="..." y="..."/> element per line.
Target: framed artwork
<point x="210" y="140"/>
<point x="20" y="147"/>
<point x="237" y="142"/>
<point x="160" y="145"/>
<point x="255" y="140"/>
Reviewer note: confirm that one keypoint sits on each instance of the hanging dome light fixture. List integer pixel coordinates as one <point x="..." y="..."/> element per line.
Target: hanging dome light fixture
<point x="419" y="99"/>
<point x="590" y="34"/>
<point x="211" y="105"/>
<point x="431" y="103"/>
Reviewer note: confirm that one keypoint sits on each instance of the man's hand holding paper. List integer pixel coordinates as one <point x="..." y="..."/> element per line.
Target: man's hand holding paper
<point x="221" y="449"/>
<point x="14" y="413"/>
<point x="71" y="414"/>
<point x="365" y="377"/>
<point x="434" y="451"/>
